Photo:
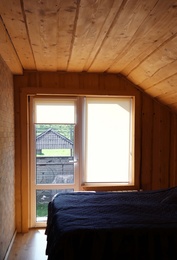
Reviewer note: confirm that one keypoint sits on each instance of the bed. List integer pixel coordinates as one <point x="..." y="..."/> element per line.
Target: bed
<point x="113" y="225"/>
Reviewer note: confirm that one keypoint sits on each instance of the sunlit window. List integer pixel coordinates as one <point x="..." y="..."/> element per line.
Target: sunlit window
<point x="108" y="140"/>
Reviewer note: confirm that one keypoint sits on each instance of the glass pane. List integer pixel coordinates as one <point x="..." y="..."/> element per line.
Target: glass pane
<point x="108" y="141"/>
<point x="54" y="153"/>
<point x="43" y="197"/>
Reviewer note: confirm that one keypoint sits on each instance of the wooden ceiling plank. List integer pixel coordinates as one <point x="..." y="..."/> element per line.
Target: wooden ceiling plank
<point x="168" y="98"/>
<point x="165" y="87"/>
<point x="103" y="32"/>
<point x="94" y="20"/>
<point x="163" y="56"/>
<point x="153" y="92"/>
<point x="42" y="23"/>
<point x="66" y="29"/>
<point x="159" y="26"/>
<point x="51" y="26"/>
<point x="12" y="15"/>
<point x="160" y="75"/>
<point x="8" y="52"/>
<point x="121" y="32"/>
<point x="148" y="37"/>
<point x="173" y="107"/>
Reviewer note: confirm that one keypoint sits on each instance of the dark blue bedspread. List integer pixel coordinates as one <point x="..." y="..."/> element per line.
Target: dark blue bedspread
<point x="113" y="225"/>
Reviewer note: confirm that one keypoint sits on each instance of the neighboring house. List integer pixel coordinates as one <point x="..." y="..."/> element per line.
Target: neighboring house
<point x="51" y="139"/>
<point x="53" y="169"/>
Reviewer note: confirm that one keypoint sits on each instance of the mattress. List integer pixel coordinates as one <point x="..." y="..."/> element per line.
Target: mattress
<point x="113" y="225"/>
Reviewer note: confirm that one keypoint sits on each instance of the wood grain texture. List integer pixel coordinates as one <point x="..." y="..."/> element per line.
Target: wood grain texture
<point x="14" y="20"/>
<point x="18" y="210"/>
<point x="120" y="34"/>
<point x="155" y="131"/>
<point x="160" y="147"/>
<point x="94" y="20"/>
<point x="136" y="38"/>
<point x="162" y="57"/>
<point x="139" y="41"/>
<point x="42" y="25"/>
<point x="7" y="48"/>
<point x="146" y="147"/>
<point x="173" y="151"/>
<point x="157" y="29"/>
<point x="31" y="245"/>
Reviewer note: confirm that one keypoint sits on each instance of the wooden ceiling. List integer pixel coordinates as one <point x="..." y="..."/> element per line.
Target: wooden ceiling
<point x="137" y="38"/>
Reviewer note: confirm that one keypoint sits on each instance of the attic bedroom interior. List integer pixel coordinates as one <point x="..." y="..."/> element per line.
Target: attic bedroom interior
<point x="86" y="48"/>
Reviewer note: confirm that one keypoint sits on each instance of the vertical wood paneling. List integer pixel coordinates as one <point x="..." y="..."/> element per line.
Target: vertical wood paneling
<point x="155" y="126"/>
<point x="156" y="147"/>
<point x="17" y="161"/>
<point x="50" y="80"/>
<point x="165" y="147"/>
<point x="173" y="151"/>
<point x="160" y="147"/>
<point x="24" y="163"/>
<point x="146" y="147"/>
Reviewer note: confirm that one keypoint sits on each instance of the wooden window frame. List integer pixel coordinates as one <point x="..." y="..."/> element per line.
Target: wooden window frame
<point x="23" y="147"/>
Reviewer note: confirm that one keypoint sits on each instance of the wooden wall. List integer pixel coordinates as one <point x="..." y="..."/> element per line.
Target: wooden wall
<point x="158" y="145"/>
<point x="156" y="125"/>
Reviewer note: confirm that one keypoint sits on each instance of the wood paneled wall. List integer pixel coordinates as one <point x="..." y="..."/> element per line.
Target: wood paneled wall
<point x="155" y="126"/>
<point x="156" y="145"/>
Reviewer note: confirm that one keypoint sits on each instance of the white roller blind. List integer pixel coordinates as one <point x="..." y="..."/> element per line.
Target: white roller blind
<point x="54" y="111"/>
<point x="108" y="139"/>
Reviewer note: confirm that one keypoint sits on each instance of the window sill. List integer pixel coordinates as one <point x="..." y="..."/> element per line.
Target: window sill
<point x="108" y="187"/>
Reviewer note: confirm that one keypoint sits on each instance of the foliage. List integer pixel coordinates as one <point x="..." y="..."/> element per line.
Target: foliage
<point x="42" y="209"/>
<point x="65" y="130"/>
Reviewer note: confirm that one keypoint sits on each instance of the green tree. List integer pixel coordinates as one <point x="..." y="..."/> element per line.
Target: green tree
<point x="65" y="130"/>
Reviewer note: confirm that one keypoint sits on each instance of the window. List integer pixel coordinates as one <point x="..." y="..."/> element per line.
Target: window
<point x="109" y="138"/>
<point x="52" y="153"/>
<point x="79" y="143"/>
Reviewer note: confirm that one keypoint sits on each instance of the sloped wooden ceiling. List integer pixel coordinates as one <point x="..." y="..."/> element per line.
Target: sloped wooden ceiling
<point x="137" y="38"/>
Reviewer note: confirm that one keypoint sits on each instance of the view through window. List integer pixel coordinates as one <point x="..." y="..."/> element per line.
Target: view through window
<point x="53" y="153"/>
<point x="54" y="162"/>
